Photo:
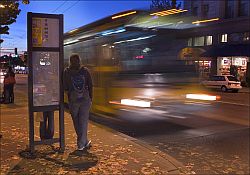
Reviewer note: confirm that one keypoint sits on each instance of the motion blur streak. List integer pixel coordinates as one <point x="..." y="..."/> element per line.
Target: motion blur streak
<point x="207" y="20"/>
<point x="138" y="103"/>
<point x="126" y="14"/>
<point x="201" y="97"/>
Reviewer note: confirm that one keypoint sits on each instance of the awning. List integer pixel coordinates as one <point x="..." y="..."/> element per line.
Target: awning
<point x="228" y="51"/>
<point x="190" y="53"/>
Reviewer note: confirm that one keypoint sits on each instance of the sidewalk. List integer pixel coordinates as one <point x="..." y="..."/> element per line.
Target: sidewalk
<point x="245" y="90"/>
<point x="111" y="152"/>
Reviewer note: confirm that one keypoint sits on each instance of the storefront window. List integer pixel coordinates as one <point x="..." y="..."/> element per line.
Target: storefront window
<point x="209" y="40"/>
<point x="204" y="68"/>
<point x="225" y="65"/>
<point x="199" y="41"/>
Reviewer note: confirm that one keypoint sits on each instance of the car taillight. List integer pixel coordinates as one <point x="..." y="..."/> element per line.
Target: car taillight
<point x="229" y="84"/>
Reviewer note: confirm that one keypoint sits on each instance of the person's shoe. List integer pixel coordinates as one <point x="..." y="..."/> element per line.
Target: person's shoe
<point x="81" y="148"/>
<point x="88" y="145"/>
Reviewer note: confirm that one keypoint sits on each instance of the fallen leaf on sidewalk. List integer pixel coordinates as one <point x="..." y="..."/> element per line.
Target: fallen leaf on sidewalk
<point x="148" y="164"/>
<point x="114" y="153"/>
<point x="135" y="172"/>
<point x="147" y="171"/>
<point x="15" y="157"/>
<point x="236" y="156"/>
<point x="112" y="156"/>
<point x="61" y="171"/>
<point x="99" y="150"/>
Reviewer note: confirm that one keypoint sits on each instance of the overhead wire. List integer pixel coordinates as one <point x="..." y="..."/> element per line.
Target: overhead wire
<point x="71" y="6"/>
<point x="59" y="6"/>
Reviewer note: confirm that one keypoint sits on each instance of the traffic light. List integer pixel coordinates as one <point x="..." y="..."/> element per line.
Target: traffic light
<point x="15" y="51"/>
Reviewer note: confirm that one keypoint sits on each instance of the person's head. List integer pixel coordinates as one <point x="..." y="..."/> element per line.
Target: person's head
<point x="74" y="61"/>
<point x="10" y="69"/>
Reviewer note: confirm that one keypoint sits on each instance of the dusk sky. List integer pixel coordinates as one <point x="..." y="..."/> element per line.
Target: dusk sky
<point x="76" y="14"/>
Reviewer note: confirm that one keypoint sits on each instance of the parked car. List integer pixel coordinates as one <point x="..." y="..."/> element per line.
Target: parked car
<point x="223" y="82"/>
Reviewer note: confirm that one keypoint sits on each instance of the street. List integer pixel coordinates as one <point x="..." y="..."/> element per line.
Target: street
<point x="207" y="137"/>
<point x="210" y="138"/>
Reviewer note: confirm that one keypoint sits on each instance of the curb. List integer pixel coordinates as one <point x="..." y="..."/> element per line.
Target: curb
<point x="172" y="160"/>
<point x="167" y="157"/>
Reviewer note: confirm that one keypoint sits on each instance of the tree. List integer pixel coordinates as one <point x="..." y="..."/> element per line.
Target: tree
<point x="164" y="5"/>
<point x="9" y="10"/>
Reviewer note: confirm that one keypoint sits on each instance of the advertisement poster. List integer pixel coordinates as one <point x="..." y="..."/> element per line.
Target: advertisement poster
<point x="45" y="32"/>
<point x="45" y="78"/>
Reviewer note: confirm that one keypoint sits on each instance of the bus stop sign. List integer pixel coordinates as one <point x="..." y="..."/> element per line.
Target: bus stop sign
<point x="45" y="61"/>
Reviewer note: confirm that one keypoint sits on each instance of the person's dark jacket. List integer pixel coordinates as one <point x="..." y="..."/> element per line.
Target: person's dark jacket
<point x="9" y="74"/>
<point x="69" y="71"/>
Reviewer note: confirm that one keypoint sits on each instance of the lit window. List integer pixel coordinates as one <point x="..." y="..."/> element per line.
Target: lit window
<point x="199" y="41"/>
<point x="209" y="40"/>
<point x="190" y="41"/>
<point x="224" y="38"/>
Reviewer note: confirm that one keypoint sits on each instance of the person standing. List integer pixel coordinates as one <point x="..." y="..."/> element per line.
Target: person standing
<point x="77" y="83"/>
<point x="9" y="82"/>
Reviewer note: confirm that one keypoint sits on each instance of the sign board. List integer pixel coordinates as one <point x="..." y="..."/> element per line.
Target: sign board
<point x="45" y="32"/>
<point x="45" y="60"/>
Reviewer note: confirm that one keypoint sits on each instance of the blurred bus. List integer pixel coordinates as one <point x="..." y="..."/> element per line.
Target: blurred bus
<point x="132" y="58"/>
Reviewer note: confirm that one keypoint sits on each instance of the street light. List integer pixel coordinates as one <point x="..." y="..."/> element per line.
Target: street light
<point x="2" y="6"/>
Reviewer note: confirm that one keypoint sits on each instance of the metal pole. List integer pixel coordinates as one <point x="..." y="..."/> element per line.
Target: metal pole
<point x="31" y="131"/>
<point x="61" y="128"/>
<point x="30" y="86"/>
<point x="61" y="103"/>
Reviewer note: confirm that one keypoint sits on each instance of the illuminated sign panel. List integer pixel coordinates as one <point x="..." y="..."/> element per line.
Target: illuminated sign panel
<point x="45" y="32"/>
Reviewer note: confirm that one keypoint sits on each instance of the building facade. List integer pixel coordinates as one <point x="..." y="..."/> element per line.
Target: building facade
<point x="225" y="9"/>
<point x="224" y="43"/>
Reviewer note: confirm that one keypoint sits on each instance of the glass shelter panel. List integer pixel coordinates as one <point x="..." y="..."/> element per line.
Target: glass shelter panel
<point x="45" y="78"/>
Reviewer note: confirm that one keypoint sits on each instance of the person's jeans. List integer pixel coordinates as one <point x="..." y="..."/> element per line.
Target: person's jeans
<point x="47" y="126"/>
<point x="11" y="89"/>
<point x="80" y="116"/>
<point x="9" y="93"/>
